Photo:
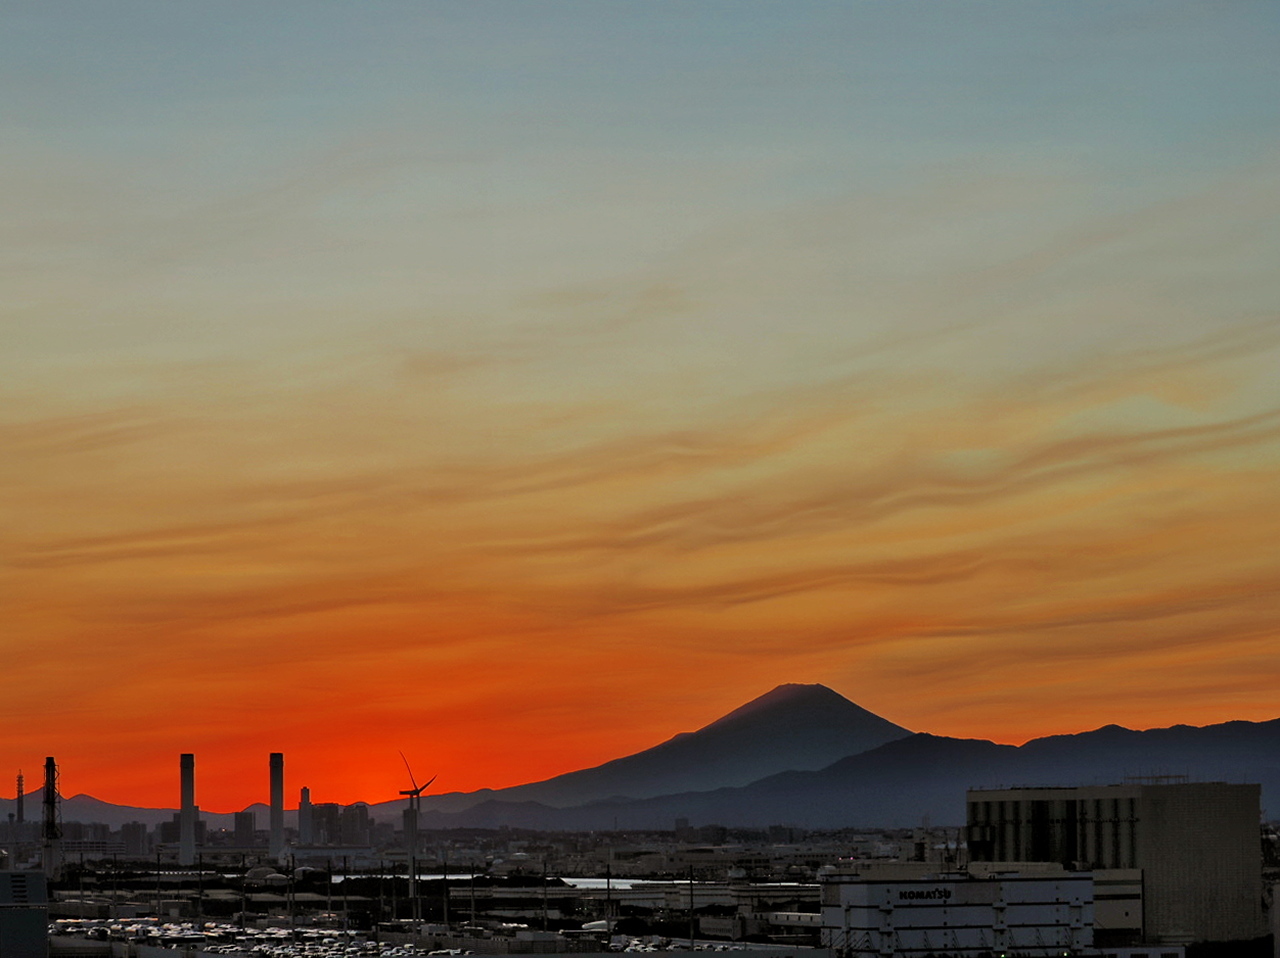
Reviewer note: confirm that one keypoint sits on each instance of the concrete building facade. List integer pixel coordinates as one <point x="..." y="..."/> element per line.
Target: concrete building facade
<point x="245" y="829"/>
<point x="958" y="915"/>
<point x="24" y="915"/>
<point x="1196" y="846"/>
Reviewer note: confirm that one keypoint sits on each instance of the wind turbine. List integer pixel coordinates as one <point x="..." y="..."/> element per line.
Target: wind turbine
<point x="415" y="793"/>
<point x="411" y="831"/>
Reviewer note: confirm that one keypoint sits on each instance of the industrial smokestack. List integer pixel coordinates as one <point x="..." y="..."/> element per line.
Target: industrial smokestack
<point x="21" y="815"/>
<point x="51" y="828"/>
<point x="275" y="845"/>
<point x="187" y="811"/>
<point x="305" y="835"/>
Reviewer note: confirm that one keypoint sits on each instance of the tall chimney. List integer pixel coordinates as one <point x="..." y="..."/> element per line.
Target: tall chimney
<point x="305" y="836"/>
<point x="187" y="811"/>
<point x="275" y="845"/>
<point x="21" y="816"/>
<point x="51" y="829"/>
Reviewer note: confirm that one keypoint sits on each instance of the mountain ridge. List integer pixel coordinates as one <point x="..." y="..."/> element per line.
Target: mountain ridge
<point x="925" y="776"/>
<point x="896" y="778"/>
<point x="792" y="726"/>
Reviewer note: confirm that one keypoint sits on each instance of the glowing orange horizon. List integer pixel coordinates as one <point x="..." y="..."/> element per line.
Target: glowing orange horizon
<point x="555" y="384"/>
<point x="534" y="610"/>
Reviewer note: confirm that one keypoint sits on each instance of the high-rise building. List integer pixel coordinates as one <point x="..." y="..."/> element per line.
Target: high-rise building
<point x="136" y="840"/>
<point x="326" y="822"/>
<point x="170" y="832"/>
<point x="1195" y="848"/>
<point x="244" y="829"/>
<point x="355" y="825"/>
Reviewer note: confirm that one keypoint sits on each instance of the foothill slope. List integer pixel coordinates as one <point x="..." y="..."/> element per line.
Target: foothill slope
<point x="804" y="755"/>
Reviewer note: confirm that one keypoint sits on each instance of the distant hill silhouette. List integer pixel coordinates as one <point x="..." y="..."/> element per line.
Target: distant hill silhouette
<point x="805" y="755"/>
<point x="86" y="808"/>
<point x="791" y="727"/>
<point x="904" y="781"/>
<point x="800" y="727"/>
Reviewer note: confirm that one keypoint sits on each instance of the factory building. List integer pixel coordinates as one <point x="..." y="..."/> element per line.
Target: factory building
<point x="1035" y="914"/>
<point x="1179" y="862"/>
<point x="24" y="915"/>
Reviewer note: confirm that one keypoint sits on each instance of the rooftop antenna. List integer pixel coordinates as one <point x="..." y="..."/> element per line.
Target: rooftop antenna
<point x="411" y="832"/>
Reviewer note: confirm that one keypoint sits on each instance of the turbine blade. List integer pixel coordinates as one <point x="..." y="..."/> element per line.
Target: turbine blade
<point x="409" y="770"/>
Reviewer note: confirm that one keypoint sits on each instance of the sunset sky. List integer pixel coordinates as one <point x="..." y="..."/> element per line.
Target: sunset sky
<point x="519" y="384"/>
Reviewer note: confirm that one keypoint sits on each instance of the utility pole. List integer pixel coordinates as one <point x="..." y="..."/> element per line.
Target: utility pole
<point x="377" y="925"/>
<point x="244" y="889"/>
<point x="415" y="907"/>
<point x="345" y="878"/>
<point x="444" y="884"/>
<point x="293" y="903"/>
<point x="693" y="928"/>
<point x="608" y="894"/>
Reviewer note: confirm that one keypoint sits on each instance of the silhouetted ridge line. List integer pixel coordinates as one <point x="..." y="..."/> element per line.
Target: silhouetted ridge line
<point x="863" y="771"/>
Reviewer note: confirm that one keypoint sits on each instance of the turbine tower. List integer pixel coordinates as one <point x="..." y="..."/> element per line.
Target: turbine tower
<point x="414" y="795"/>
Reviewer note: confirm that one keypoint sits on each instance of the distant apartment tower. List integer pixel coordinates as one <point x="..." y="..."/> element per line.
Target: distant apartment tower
<point x="326" y="823"/>
<point x="1196" y="845"/>
<point x="244" y="829"/>
<point x="136" y="840"/>
<point x="355" y="825"/>
<point x="170" y="832"/>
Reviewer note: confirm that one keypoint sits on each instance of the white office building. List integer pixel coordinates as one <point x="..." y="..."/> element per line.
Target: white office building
<point x="958" y="915"/>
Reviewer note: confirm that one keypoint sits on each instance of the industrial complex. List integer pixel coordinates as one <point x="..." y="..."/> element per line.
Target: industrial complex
<point x="1158" y="868"/>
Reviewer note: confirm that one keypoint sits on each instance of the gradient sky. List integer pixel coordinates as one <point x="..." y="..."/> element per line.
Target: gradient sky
<point x="518" y="385"/>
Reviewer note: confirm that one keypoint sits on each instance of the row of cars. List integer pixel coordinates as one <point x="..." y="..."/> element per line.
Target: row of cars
<point x="223" y="938"/>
